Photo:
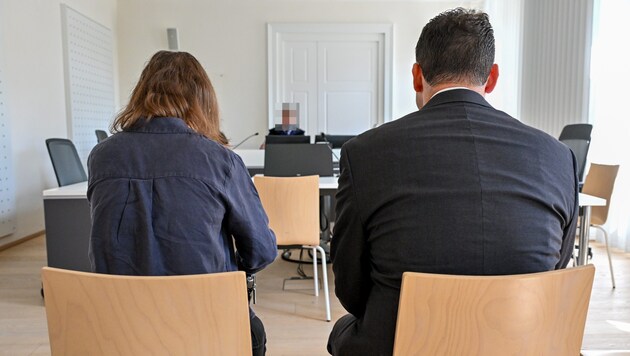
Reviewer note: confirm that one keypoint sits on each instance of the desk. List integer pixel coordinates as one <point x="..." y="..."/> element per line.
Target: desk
<point x="586" y="202"/>
<point x="68" y="223"/>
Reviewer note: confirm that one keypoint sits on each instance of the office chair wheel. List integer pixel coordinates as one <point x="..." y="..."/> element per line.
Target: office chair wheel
<point x="589" y="253"/>
<point x="288" y="253"/>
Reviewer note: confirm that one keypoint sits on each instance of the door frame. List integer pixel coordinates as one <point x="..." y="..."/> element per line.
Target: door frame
<point x="275" y="31"/>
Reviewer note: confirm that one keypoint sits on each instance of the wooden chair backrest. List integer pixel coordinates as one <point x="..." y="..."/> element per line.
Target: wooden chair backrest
<point x="528" y="314"/>
<point x="101" y="314"/>
<point x="292" y="205"/>
<point x="600" y="182"/>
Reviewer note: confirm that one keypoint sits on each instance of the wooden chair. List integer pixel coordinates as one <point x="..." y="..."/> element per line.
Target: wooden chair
<point x="292" y="205"/>
<point x="600" y="182"/>
<point x="528" y="314"/>
<point x="100" y="314"/>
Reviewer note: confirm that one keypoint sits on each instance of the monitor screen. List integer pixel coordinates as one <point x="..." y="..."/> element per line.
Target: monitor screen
<point x="290" y="160"/>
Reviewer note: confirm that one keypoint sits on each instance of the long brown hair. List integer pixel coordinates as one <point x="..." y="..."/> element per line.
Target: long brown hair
<point x="173" y="84"/>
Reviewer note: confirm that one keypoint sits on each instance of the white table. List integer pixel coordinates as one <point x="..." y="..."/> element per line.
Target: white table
<point x="73" y="191"/>
<point x="79" y="190"/>
<point x="586" y="202"/>
<point x="68" y="223"/>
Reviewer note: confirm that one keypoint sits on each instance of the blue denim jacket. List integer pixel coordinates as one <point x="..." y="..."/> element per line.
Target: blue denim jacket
<point x="168" y="201"/>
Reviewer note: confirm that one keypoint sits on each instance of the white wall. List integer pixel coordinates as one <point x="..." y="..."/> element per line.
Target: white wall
<point x="505" y="17"/>
<point x="227" y="36"/>
<point x="229" y="39"/>
<point x="31" y="49"/>
<point x="610" y="75"/>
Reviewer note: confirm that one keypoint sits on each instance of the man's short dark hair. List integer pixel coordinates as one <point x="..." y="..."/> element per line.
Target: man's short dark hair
<point x="456" y="46"/>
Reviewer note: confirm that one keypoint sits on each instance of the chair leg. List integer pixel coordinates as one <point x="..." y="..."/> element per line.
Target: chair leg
<point x="612" y="274"/>
<point x="315" y="278"/>
<point x="324" y="281"/>
<point x="251" y="286"/>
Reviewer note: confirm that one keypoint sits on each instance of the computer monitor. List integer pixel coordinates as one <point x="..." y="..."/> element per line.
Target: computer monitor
<point x="286" y="139"/>
<point x="335" y="140"/>
<point x="290" y="160"/>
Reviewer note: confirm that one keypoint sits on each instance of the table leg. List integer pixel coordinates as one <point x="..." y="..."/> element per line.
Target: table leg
<point x="585" y="224"/>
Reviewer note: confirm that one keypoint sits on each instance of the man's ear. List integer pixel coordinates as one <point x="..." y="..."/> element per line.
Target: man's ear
<point x="417" y="77"/>
<point x="492" y="79"/>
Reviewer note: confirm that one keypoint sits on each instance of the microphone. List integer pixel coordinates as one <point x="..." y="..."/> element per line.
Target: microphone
<point x="329" y="145"/>
<point x="245" y="139"/>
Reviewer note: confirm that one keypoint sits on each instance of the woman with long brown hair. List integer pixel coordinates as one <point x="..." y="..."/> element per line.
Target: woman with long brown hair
<point x="167" y="196"/>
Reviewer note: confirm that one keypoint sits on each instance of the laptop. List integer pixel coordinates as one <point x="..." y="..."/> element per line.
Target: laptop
<point x="290" y="160"/>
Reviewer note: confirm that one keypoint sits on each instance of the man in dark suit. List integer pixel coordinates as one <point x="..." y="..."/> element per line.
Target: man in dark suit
<point x="457" y="187"/>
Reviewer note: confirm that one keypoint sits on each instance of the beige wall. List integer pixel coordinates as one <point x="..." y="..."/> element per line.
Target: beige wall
<point x="32" y="59"/>
<point x="229" y="38"/>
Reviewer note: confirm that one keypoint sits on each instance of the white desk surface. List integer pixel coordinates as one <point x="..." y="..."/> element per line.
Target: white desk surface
<point x="73" y="191"/>
<point x="590" y="200"/>
<point x="252" y="158"/>
<point x="79" y="190"/>
<point x="328" y="183"/>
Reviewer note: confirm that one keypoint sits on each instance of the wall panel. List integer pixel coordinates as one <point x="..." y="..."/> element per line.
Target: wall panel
<point x="555" y="63"/>
<point x="7" y="190"/>
<point x="89" y="70"/>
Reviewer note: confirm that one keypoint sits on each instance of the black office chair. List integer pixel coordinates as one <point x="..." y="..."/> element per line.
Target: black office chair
<point x="100" y="135"/>
<point x="65" y="161"/>
<point x="578" y="138"/>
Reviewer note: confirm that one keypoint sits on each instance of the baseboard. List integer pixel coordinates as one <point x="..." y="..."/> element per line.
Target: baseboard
<point x="20" y="240"/>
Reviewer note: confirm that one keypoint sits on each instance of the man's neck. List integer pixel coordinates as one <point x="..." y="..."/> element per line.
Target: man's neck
<point x="433" y="90"/>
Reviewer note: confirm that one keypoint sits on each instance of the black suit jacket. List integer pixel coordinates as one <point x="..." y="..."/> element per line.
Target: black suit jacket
<point x="457" y="188"/>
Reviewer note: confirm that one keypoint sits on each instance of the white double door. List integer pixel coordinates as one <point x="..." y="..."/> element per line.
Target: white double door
<point x="336" y="78"/>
